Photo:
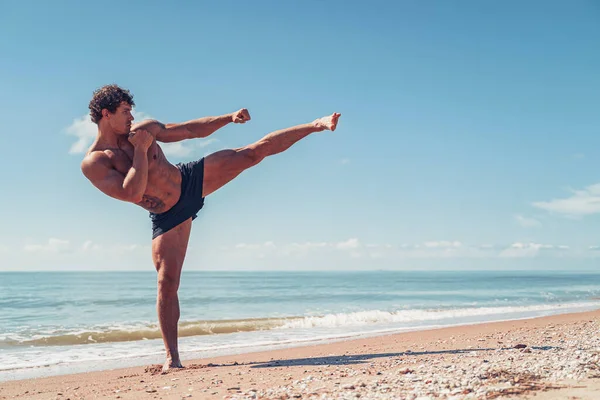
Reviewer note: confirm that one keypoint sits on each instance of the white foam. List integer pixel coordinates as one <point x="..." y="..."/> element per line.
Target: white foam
<point x="27" y="362"/>
<point x="372" y="317"/>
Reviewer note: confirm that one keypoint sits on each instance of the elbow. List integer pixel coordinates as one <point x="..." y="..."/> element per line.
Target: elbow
<point x="133" y="197"/>
<point x="136" y="198"/>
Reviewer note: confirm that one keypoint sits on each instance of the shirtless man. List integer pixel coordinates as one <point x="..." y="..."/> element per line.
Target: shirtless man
<point x="126" y="162"/>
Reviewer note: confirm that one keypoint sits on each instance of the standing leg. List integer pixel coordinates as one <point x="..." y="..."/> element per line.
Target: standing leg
<point x="168" y="254"/>
<point x="222" y="166"/>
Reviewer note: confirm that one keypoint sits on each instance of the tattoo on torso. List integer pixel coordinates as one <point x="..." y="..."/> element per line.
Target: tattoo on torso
<point x="152" y="203"/>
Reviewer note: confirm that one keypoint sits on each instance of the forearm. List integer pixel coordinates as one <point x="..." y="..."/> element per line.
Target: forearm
<point x="206" y="126"/>
<point x="137" y="178"/>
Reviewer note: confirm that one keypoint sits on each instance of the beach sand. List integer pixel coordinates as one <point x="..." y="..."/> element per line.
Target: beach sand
<point x="554" y="357"/>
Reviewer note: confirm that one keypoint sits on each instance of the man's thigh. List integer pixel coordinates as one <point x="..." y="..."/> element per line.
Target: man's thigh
<point x="169" y="250"/>
<point x="224" y="165"/>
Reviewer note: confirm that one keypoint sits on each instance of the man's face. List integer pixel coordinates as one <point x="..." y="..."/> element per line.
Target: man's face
<point x="120" y="121"/>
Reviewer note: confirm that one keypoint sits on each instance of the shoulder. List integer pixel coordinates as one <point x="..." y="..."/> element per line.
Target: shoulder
<point x="95" y="157"/>
<point x="96" y="161"/>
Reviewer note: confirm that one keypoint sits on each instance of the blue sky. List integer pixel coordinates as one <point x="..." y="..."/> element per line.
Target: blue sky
<point x="468" y="139"/>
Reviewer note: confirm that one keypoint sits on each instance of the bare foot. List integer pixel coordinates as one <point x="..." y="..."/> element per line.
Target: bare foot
<point x="329" y="122"/>
<point x="171" y="364"/>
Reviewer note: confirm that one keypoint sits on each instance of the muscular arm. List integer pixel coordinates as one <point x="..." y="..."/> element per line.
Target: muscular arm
<point x="130" y="187"/>
<point x="196" y="128"/>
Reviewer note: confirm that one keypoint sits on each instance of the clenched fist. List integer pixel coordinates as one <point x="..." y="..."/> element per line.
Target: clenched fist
<point x="241" y="116"/>
<point x="141" y="139"/>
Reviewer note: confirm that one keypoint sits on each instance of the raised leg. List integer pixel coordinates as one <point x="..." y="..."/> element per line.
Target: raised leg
<point x="222" y="166"/>
<point x="168" y="254"/>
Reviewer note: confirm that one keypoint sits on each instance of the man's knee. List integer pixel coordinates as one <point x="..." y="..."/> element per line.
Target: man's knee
<point x="168" y="284"/>
<point x="223" y="166"/>
<point x="232" y="160"/>
<point x="252" y="155"/>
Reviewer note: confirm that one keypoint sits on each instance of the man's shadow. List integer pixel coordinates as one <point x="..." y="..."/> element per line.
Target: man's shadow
<point x="355" y="358"/>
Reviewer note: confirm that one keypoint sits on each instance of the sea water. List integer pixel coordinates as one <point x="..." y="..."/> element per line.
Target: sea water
<point x="62" y="322"/>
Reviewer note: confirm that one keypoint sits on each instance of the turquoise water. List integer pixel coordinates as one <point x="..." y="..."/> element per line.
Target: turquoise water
<point x="60" y="322"/>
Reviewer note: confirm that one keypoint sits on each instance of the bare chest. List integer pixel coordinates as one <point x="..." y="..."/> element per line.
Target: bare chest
<point x="122" y="158"/>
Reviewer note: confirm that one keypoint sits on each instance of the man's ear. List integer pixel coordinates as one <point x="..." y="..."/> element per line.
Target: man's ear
<point x="105" y="113"/>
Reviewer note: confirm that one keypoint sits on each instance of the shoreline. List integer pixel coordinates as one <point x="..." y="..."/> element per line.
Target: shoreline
<point x="43" y="370"/>
<point x="531" y="351"/>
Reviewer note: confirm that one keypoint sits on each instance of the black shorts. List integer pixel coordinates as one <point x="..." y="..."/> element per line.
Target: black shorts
<point x="189" y="203"/>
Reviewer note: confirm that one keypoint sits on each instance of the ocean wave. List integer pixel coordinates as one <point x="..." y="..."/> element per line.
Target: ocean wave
<point x="416" y="316"/>
<point x="374" y="318"/>
<point x="139" y="332"/>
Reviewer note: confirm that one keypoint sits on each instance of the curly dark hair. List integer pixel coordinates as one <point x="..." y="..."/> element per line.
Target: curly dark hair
<point x="109" y="97"/>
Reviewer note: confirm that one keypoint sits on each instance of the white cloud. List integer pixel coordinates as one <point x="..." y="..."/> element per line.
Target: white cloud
<point x="308" y="245"/>
<point x="346" y="249"/>
<point x="430" y="249"/>
<point x="441" y="249"/>
<point x="443" y="244"/>
<point x="344" y="161"/>
<point x="129" y="248"/>
<point x="139" y="116"/>
<point x="247" y="246"/>
<point x="354" y="249"/>
<point x="76" y="254"/>
<point x="88" y="254"/>
<point x="85" y="131"/>
<point x="409" y="246"/>
<point x="377" y="246"/>
<point x="296" y="248"/>
<point x="90" y="246"/>
<point x="3" y="248"/>
<point x="526" y="222"/>
<point x="593" y="251"/>
<point x="376" y="255"/>
<point x="581" y="203"/>
<point x="348" y="244"/>
<point x="487" y="246"/>
<point x="182" y="149"/>
<point x="350" y="248"/>
<point x="52" y="246"/>
<point x="177" y="149"/>
<point x="519" y="249"/>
